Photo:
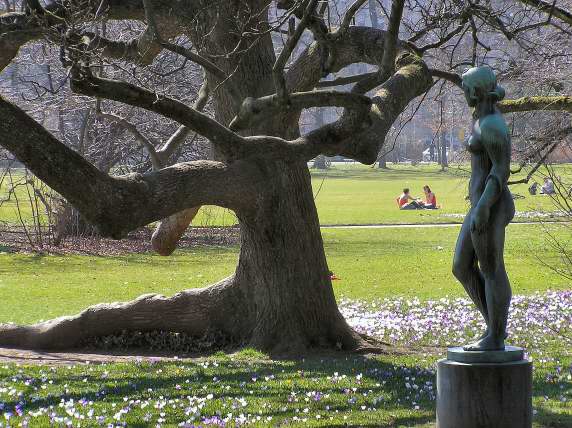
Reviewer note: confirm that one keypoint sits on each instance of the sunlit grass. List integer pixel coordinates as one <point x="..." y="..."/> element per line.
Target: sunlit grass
<point x="371" y="263"/>
<point x="357" y="194"/>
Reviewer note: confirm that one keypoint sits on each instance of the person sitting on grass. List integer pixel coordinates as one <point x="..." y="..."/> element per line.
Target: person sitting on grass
<point x="548" y="187"/>
<point x="430" y="198"/>
<point x="404" y="201"/>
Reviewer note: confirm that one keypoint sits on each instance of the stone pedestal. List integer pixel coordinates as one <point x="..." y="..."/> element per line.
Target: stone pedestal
<point x="474" y="393"/>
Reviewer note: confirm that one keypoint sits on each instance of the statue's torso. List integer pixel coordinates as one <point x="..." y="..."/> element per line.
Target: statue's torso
<point x="481" y="163"/>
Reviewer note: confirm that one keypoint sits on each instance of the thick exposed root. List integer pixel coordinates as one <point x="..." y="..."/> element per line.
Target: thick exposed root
<point x="193" y="312"/>
<point x="169" y="231"/>
<point x="293" y="338"/>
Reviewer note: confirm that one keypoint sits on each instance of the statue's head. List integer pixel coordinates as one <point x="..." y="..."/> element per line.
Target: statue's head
<point x="480" y="83"/>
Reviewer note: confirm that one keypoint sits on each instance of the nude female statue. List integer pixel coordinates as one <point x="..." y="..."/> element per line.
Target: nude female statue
<point x="479" y="262"/>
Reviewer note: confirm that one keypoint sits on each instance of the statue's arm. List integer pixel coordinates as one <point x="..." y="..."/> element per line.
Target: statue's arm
<point x="496" y="142"/>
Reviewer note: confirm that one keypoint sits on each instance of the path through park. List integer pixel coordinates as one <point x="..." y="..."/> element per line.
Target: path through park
<point x="410" y="226"/>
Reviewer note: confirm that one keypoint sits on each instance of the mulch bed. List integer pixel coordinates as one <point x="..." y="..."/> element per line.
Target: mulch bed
<point x="15" y="240"/>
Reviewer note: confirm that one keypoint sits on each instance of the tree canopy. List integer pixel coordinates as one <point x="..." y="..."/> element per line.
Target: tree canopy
<point x="254" y="68"/>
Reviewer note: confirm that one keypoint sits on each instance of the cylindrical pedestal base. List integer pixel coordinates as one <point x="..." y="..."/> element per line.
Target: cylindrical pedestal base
<point x="484" y="395"/>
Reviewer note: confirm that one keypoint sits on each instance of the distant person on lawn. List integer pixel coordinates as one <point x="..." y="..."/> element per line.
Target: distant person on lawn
<point x="430" y="198"/>
<point x="548" y="187"/>
<point x="407" y="202"/>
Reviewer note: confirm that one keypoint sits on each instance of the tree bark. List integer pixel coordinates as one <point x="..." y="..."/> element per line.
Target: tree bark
<point x="283" y="266"/>
<point x="444" y="161"/>
<point x="280" y="298"/>
<point x="166" y="236"/>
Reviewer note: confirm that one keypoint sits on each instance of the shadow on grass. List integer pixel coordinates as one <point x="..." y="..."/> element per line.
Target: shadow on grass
<point x="547" y="417"/>
<point x="260" y="381"/>
<point x="360" y="381"/>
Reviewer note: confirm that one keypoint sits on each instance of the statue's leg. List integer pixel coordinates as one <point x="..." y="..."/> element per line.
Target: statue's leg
<point x="466" y="270"/>
<point x="489" y="247"/>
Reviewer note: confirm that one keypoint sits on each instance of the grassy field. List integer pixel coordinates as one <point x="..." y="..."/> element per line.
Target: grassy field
<point x="371" y="264"/>
<point x="410" y="267"/>
<point x="248" y="389"/>
<point x="254" y="390"/>
<point x="357" y="194"/>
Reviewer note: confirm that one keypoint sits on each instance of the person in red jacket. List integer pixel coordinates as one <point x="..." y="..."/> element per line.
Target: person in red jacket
<point x="430" y="198"/>
<point x="408" y="202"/>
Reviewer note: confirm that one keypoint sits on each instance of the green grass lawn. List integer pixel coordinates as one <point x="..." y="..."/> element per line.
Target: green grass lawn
<point x="355" y="194"/>
<point x="332" y="390"/>
<point x="394" y="390"/>
<point x="358" y="194"/>
<point x="251" y="389"/>
<point x="371" y="263"/>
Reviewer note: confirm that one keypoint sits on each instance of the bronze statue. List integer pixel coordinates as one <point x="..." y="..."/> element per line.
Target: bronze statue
<point x="479" y="261"/>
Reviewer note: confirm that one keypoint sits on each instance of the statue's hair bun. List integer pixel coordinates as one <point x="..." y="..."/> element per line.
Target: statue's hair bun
<point x="498" y="93"/>
<point x="481" y="81"/>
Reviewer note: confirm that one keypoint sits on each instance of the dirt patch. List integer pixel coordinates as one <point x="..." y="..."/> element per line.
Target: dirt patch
<point x="15" y="240"/>
<point x="86" y="356"/>
<point x="26" y="357"/>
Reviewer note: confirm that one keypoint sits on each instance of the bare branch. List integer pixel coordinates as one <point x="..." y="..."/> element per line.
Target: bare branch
<point x="445" y="39"/>
<point x="119" y="204"/>
<point x="409" y="81"/>
<point x="88" y="84"/>
<point x="360" y="44"/>
<point x="548" y="103"/>
<point x="196" y="58"/>
<point x="140" y="50"/>
<point x="392" y="35"/>
<point x="278" y="69"/>
<point x="255" y="110"/>
<point x="141" y="139"/>
<point x="348" y="17"/>
<point x="19" y="28"/>
<point x="181" y="133"/>
<point x="340" y="81"/>
<point x="451" y="77"/>
<point x="551" y="9"/>
<point x="35" y="6"/>
<point x="387" y="65"/>
<point x="538" y="164"/>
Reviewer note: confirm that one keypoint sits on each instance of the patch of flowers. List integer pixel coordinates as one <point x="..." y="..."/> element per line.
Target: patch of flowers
<point x="534" y="320"/>
<point x="232" y="392"/>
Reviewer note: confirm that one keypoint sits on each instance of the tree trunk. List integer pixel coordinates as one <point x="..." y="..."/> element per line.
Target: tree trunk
<point x="168" y="232"/>
<point x="283" y="269"/>
<point x="280" y="298"/>
<point x="443" y="162"/>
<point x="382" y="162"/>
<point x="320" y="161"/>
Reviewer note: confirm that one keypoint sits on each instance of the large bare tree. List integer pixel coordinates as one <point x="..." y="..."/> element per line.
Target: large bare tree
<point x="280" y="297"/>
